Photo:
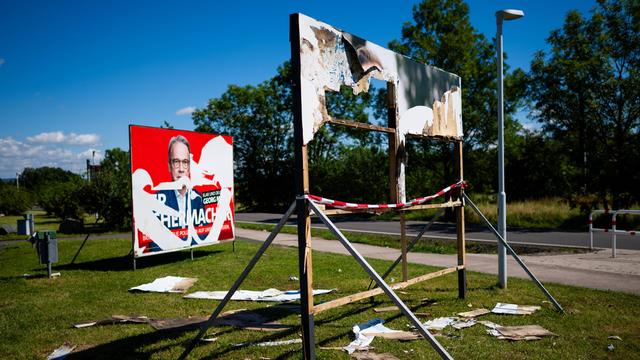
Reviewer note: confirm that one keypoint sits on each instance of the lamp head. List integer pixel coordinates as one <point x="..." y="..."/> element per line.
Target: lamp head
<point x="509" y="14"/>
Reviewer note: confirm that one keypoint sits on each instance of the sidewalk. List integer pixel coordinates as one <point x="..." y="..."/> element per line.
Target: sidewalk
<point x="597" y="270"/>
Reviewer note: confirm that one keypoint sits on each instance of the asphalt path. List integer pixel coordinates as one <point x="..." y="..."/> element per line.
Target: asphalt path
<point x="473" y="232"/>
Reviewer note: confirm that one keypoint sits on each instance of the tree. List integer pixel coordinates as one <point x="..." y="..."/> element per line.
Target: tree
<point x="109" y="193"/>
<point x="441" y="35"/>
<point x="585" y="93"/>
<point x="14" y="201"/>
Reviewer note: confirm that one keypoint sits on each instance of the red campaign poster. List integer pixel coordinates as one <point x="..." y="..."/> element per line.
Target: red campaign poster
<point x="182" y="189"/>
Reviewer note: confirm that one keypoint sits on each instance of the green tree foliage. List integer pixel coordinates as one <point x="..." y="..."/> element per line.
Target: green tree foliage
<point x="585" y="92"/>
<point x="62" y="199"/>
<point x="109" y="193"/>
<point x="55" y="189"/>
<point x="14" y="201"/>
<point x="441" y="35"/>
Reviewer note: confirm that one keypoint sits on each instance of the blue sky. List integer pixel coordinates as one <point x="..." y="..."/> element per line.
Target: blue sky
<point x="75" y="74"/>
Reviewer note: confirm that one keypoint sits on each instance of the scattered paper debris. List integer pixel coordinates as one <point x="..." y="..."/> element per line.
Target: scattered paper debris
<point x="422" y="314"/>
<point x="293" y="278"/>
<point x="610" y="347"/>
<point x="115" y="319"/>
<point x="61" y="352"/>
<point x="367" y="331"/>
<point x="386" y="309"/>
<point x="167" y="284"/>
<point x="514" y="309"/>
<point x="438" y="323"/>
<point x="474" y="313"/>
<point x="463" y="323"/>
<point x="271" y="343"/>
<point x="615" y="337"/>
<point x="250" y="295"/>
<point x="489" y="324"/>
<point x="368" y="355"/>
<point x="515" y="333"/>
<point x="209" y="339"/>
<point x="35" y="276"/>
<point x="241" y="318"/>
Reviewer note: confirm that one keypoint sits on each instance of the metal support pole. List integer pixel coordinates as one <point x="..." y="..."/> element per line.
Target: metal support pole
<point x="238" y="282"/>
<point x="515" y="256"/>
<point x="381" y="283"/>
<point x="411" y="245"/>
<point x="191" y="251"/>
<point x="502" y="196"/>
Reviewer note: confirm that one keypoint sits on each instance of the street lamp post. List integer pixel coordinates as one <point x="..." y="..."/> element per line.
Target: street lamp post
<point x="501" y="15"/>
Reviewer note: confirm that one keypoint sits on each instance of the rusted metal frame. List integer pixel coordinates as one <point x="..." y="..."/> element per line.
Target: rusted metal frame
<point x="381" y="283"/>
<point x="302" y="205"/>
<point x="411" y="245"/>
<point x="359" y="125"/>
<point x="513" y="253"/>
<point x="238" y="282"/>
<point x="460" y="225"/>
<point x="377" y="291"/>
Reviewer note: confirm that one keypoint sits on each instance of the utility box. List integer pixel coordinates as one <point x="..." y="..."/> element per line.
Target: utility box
<point x="26" y="226"/>
<point x="47" y="246"/>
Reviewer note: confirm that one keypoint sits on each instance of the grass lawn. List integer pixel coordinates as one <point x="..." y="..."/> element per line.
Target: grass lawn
<point x="36" y="315"/>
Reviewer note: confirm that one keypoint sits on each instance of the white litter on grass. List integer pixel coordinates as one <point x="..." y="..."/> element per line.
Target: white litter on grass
<point x="167" y="284"/>
<point x="250" y="295"/>
<point x="364" y="334"/>
<point x="513" y="309"/>
<point x="271" y="343"/>
<point x="61" y="352"/>
<point x="463" y="323"/>
<point x="439" y="323"/>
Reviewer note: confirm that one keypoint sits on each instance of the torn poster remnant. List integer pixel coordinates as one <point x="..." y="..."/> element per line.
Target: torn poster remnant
<point x="516" y="333"/>
<point x="427" y="99"/>
<point x="250" y="295"/>
<point x="167" y="284"/>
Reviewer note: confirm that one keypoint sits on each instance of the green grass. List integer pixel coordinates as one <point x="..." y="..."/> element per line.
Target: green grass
<point x="424" y="245"/>
<point x="36" y="315"/>
<point x="48" y="222"/>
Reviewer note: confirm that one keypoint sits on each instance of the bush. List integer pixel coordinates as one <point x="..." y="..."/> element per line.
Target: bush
<point x="14" y="201"/>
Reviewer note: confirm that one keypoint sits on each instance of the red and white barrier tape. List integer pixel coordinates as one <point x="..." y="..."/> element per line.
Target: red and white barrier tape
<point x="352" y="206"/>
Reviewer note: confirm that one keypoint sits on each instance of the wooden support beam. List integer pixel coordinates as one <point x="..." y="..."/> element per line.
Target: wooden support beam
<point x="359" y="125"/>
<point x="377" y="291"/>
<point x="459" y="211"/>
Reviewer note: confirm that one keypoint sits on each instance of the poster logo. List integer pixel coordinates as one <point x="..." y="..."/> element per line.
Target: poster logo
<point x="182" y="189"/>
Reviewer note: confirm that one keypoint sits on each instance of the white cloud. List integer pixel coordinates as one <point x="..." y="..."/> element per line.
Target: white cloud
<point x="186" y="110"/>
<point x="58" y="137"/>
<point x="16" y="155"/>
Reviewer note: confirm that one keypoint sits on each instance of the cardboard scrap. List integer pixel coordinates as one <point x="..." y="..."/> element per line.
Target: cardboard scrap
<point x="250" y="295"/>
<point x="368" y="355"/>
<point x="513" y="309"/>
<point x="241" y="318"/>
<point x="438" y="323"/>
<point x="473" y="313"/>
<point x="167" y="284"/>
<point x="515" y="333"/>
<point x="61" y="352"/>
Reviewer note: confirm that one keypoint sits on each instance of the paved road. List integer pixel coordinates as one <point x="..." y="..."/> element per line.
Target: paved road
<point x="473" y="232"/>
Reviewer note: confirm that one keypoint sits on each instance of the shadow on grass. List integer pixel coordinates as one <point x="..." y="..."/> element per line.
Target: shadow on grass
<point x="145" y="346"/>
<point x="125" y="263"/>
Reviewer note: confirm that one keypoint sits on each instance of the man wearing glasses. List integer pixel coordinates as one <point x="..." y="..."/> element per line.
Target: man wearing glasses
<point x="188" y="202"/>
